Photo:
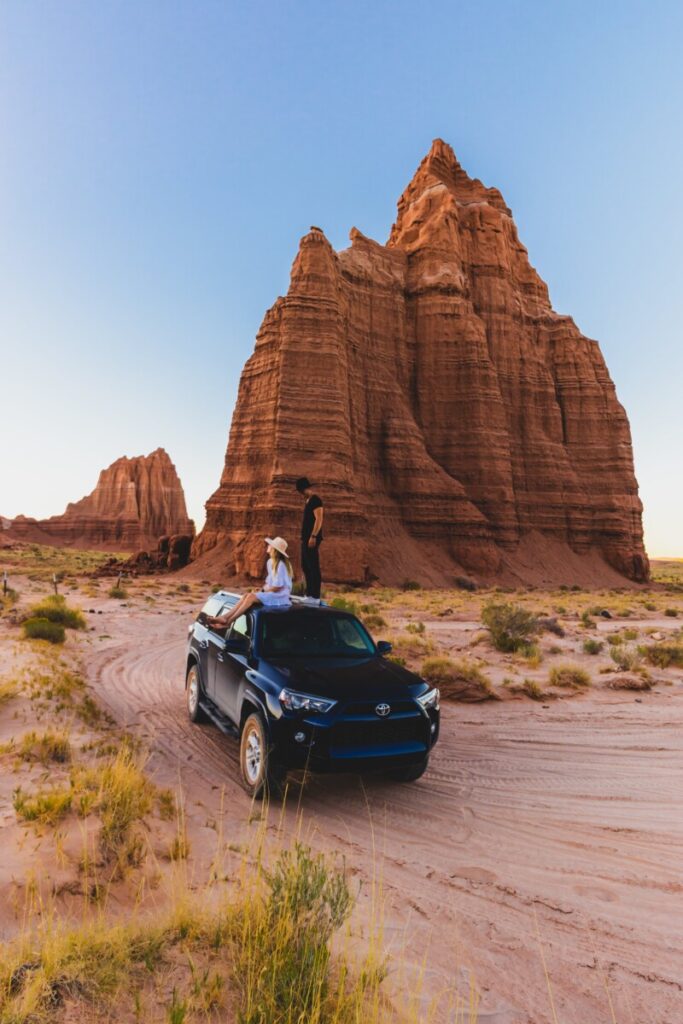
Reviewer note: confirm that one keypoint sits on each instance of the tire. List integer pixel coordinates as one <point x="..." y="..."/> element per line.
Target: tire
<point x="193" y="691"/>
<point x="410" y="773"/>
<point x="261" y="776"/>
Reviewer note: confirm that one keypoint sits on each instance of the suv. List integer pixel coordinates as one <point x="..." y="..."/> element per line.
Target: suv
<point x="307" y="687"/>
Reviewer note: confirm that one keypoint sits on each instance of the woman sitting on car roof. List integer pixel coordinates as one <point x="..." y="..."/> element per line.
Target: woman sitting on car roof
<point x="276" y="591"/>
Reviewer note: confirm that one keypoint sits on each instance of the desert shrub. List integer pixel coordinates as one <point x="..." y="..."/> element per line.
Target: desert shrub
<point x="586" y="621"/>
<point x="415" y="627"/>
<point x="511" y="626"/>
<point x="671" y="612"/>
<point x="550" y="624"/>
<point x="345" y="604"/>
<point x="630" y="634"/>
<point x="282" y="956"/>
<point x="650" y="606"/>
<point x="592" y="646"/>
<point x="626" y="657"/>
<point x="664" y="655"/>
<point x="397" y="660"/>
<point x="410" y="585"/>
<point x="183" y="588"/>
<point x="44" y="629"/>
<point x="120" y="593"/>
<point x="569" y="675"/>
<point x="615" y="639"/>
<point x="463" y="583"/>
<point x="55" y="609"/>
<point x="461" y="678"/>
<point x="374" y="621"/>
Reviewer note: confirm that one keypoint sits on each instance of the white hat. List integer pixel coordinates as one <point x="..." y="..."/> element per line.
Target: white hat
<point x="279" y="543"/>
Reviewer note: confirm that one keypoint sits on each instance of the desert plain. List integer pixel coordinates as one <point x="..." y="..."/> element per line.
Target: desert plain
<point x="533" y="875"/>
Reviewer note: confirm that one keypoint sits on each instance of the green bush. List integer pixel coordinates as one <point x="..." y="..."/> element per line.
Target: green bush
<point x="44" y="629"/>
<point x="511" y="626"/>
<point x="410" y="585"/>
<point x="55" y="609"/>
<point x="592" y="646"/>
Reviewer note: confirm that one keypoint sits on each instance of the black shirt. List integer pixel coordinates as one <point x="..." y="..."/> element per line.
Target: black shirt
<point x="308" y="522"/>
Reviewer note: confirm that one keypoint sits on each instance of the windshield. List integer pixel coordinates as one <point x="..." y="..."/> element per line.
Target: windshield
<point x="316" y="634"/>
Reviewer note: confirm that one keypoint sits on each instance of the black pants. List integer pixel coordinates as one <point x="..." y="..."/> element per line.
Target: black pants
<point x="310" y="563"/>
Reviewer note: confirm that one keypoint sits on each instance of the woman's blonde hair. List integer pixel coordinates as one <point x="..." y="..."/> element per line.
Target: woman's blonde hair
<point x="278" y="557"/>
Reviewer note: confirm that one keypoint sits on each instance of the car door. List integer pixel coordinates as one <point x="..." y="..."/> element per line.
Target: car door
<point x="231" y="664"/>
<point x="214" y="643"/>
<point x="206" y="641"/>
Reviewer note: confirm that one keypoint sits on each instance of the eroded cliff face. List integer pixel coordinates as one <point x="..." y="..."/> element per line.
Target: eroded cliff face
<point x="447" y="415"/>
<point x="135" y="502"/>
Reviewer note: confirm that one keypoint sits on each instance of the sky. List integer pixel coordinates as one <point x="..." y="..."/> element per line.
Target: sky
<point x="160" y="161"/>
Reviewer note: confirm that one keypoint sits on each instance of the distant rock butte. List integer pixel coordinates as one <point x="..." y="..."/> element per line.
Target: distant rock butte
<point x="447" y="415"/>
<point x="135" y="502"/>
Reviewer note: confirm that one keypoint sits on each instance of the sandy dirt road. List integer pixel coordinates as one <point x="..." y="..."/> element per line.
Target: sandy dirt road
<point x="541" y="855"/>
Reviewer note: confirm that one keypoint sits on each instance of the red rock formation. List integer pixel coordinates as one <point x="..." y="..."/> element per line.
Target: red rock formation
<point x="135" y="502"/>
<point x="448" y="416"/>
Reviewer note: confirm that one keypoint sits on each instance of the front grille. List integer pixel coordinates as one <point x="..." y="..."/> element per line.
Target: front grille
<point x="387" y="732"/>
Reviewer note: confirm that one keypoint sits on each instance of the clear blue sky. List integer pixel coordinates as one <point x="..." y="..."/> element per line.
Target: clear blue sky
<point x="160" y="161"/>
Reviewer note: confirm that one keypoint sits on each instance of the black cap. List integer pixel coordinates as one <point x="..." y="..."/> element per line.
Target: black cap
<point x="302" y="484"/>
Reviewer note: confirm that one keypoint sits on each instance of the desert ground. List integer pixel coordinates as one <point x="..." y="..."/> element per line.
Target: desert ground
<point x="533" y="875"/>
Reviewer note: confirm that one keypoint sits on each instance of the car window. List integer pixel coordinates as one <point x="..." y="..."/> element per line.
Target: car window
<point x="314" y="634"/>
<point x="241" y="627"/>
<point x="213" y="606"/>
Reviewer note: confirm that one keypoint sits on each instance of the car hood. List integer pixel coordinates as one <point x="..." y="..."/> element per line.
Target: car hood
<point x="364" y="679"/>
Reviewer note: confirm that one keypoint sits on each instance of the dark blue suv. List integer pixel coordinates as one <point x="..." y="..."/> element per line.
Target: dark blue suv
<point x="307" y="687"/>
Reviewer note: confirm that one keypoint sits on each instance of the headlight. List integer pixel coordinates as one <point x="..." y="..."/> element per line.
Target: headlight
<point x="292" y="701"/>
<point x="430" y="699"/>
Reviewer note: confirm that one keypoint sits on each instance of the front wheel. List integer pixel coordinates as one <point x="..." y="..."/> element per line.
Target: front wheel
<point x="193" y="688"/>
<point x="410" y="772"/>
<point x="261" y="776"/>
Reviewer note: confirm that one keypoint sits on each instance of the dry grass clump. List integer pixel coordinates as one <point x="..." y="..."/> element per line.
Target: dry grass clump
<point x="44" y="807"/>
<point x="411" y="646"/>
<point x="457" y="680"/>
<point x="529" y="687"/>
<point x="8" y="689"/>
<point x="627" y="657"/>
<point x="511" y="626"/>
<point x="592" y="646"/>
<point x="568" y="675"/>
<point x="664" y="655"/>
<point x="120" y="793"/>
<point x="637" y="683"/>
<point x="262" y="959"/>
<point x="43" y="748"/>
<point x="120" y="593"/>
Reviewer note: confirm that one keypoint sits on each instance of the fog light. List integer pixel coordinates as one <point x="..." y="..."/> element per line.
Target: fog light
<point x="299" y="737"/>
<point x="433" y="726"/>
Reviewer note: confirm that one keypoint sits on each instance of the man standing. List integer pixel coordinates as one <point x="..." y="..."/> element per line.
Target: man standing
<point x="311" y="536"/>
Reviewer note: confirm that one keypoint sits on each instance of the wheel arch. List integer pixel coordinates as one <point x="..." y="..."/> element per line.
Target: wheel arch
<point x="192" y="659"/>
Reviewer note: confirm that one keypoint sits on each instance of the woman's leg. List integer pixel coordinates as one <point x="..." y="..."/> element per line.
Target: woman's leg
<point x="244" y="602"/>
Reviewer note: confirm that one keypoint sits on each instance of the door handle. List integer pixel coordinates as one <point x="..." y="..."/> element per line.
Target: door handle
<point x="219" y="657"/>
<point x="203" y="644"/>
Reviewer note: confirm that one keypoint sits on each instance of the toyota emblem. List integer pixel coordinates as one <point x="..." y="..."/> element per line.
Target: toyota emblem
<point x="383" y="710"/>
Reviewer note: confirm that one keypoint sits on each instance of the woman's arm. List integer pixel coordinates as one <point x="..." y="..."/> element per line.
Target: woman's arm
<point x="317" y="525"/>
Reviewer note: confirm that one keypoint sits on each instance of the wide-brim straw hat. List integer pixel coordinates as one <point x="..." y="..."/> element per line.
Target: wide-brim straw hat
<point x="279" y="543"/>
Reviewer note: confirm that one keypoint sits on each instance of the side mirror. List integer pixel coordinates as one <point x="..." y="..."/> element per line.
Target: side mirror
<point x="384" y="647"/>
